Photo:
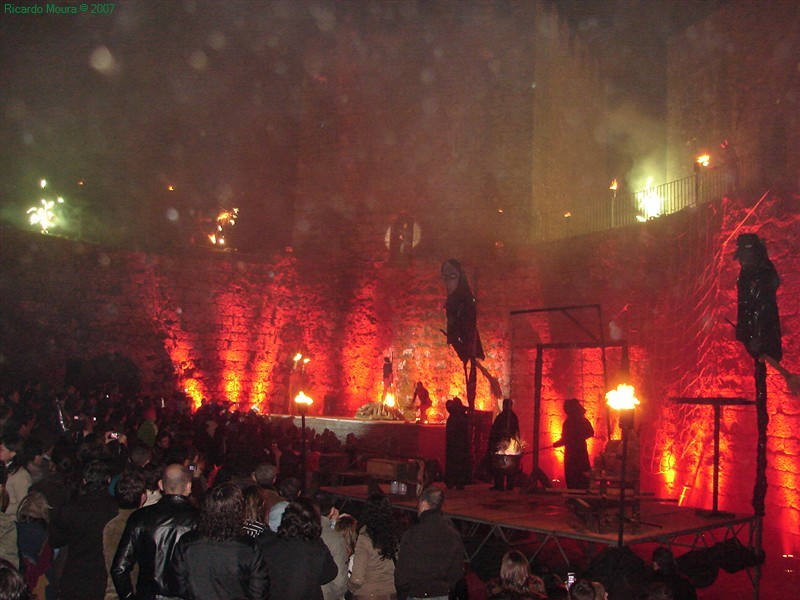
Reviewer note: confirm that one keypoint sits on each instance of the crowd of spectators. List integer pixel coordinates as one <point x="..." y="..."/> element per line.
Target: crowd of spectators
<point x="109" y="497"/>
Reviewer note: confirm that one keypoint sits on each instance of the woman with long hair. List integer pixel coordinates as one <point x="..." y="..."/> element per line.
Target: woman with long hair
<point x="255" y="512"/>
<point x="216" y="561"/>
<point x="19" y="480"/>
<point x="347" y="527"/>
<point x="375" y="553"/>
<point x="515" y="579"/>
<point x="299" y="561"/>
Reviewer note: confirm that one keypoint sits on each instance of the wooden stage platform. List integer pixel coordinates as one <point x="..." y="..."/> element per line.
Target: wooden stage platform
<point x="547" y="519"/>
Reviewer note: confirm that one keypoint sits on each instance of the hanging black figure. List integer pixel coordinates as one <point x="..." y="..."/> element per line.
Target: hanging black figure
<point x="462" y="323"/>
<point x="758" y="328"/>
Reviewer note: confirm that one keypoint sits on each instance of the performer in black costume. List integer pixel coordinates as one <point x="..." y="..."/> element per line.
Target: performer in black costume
<point x="458" y="459"/>
<point x="504" y="428"/>
<point x="388" y="376"/>
<point x="758" y="328"/>
<point x="462" y="323"/>
<point x="421" y="392"/>
<point x="574" y="433"/>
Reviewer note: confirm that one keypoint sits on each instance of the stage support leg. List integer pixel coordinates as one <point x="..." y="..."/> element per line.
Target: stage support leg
<point x="537" y="408"/>
<point x="757" y="546"/>
<point x="472" y="382"/>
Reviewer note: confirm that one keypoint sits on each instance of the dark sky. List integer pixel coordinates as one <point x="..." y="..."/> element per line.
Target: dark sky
<point x="126" y="104"/>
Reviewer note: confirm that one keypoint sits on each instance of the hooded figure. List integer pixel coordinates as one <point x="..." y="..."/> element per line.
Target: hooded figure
<point x="462" y="323"/>
<point x="462" y="315"/>
<point x="458" y="461"/>
<point x="574" y="433"/>
<point x="757" y="323"/>
<point x="758" y="328"/>
<point x="504" y="428"/>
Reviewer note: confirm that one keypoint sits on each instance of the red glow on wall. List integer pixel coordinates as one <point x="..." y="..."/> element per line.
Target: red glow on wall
<point x="194" y="389"/>
<point x="221" y="330"/>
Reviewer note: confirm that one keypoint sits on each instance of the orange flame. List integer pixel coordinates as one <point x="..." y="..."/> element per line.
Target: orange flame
<point x="513" y="446"/>
<point x="703" y="160"/>
<point x="302" y="399"/>
<point x="622" y="398"/>
<point x="613" y="185"/>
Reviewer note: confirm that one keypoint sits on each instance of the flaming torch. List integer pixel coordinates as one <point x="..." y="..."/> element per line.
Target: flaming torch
<point x="303" y="402"/>
<point x="225" y="219"/>
<point x="623" y="399"/>
<point x="613" y="187"/>
<point x="701" y="162"/>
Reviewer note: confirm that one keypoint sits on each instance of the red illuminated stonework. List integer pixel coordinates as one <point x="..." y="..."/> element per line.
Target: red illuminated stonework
<point x="220" y="326"/>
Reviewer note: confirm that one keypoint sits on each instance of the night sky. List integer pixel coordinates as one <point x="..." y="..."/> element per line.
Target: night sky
<point x="112" y="109"/>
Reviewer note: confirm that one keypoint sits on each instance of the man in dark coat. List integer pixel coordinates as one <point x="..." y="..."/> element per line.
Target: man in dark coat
<point x="150" y="537"/>
<point x="458" y="459"/>
<point x="78" y="524"/>
<point x="430" y="560"/>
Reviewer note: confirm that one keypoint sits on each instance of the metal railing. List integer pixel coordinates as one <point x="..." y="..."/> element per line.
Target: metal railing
<point x="621" y="209"/>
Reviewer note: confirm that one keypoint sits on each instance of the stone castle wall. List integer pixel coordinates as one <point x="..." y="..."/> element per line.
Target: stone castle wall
<point x="733" y="76"/>
<point x="219" y="326"/>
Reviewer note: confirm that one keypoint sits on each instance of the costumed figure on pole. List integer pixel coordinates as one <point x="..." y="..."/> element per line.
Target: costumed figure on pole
<point x="462" y="329"/>
<point x="758" y="328"/>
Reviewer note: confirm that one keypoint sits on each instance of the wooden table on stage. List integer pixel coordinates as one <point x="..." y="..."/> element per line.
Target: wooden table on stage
<point x="717" y="403"/>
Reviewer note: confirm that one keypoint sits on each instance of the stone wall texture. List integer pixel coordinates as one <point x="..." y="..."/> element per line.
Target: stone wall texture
<point x="734" y="76"/>
<point x="455" y="120"/>
<point x="219" y="326"/>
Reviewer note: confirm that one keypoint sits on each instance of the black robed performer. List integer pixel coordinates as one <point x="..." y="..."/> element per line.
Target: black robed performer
<point x="462" y="323"/>
<point x="758" y="328"/>
<point x="574" y="433"/>
<point x="458" y="459"/>
<point x="504" y="429"/>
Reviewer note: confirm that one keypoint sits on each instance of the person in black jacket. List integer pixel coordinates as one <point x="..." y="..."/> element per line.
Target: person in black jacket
<point x="299" y="562"/>
<point x="150" y="537"/>
<point x="431" y="557"/>
<point x="218" y="561"/>
<point x="78" y="524"/>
